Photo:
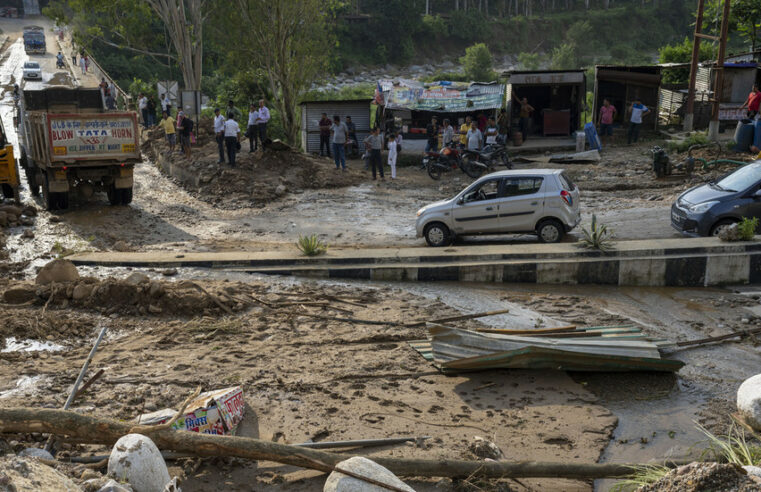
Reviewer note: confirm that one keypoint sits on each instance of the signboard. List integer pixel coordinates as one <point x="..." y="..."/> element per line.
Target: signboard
<point x="445" y="98"/>
<point x="93" y="136"/>
<point x="170" y="88"/>
<point x="731" y="113"/>
<point x="546" y="78"/>
<point x="190" y="103"/>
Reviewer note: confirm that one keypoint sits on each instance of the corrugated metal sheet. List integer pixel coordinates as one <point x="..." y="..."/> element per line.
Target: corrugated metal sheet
<point x="703" y="79"/>
<point x="311" y="112"/>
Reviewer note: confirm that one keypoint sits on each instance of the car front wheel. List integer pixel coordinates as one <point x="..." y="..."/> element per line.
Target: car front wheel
<point x="550" y="231"/>
<point x="721" y="225"/>
<point x="437" y="234"/>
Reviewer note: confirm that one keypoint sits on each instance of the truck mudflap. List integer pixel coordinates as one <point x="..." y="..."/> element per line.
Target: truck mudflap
<point x="123" y="182"/>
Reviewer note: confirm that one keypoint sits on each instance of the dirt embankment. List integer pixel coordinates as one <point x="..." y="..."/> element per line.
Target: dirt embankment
<point x="259" y="177"/>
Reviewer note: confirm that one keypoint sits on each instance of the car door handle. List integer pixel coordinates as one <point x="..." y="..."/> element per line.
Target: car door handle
<point x="489" y="208"/>
<point x="534" y="203"/>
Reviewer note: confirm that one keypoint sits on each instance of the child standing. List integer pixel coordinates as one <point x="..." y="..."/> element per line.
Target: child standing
<point x="392" y="154"/>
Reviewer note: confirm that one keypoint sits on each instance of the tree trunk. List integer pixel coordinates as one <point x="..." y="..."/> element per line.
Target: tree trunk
<point x="96" y="430"/>
<point x="184" y="22"/>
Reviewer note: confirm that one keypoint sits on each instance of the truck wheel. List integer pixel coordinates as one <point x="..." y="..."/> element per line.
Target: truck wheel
<point x="114" y="195"/>
<point x="31" y="180"/>
<point x="63" y="200"/>
<point x="50" y="200"/>
<point x="126" y="195"/>
<point x="7" y="190"/>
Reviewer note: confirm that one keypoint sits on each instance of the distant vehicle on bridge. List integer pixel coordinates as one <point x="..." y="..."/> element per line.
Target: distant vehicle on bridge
<point x="34" y="40"/>
<point x="32" y="71"/>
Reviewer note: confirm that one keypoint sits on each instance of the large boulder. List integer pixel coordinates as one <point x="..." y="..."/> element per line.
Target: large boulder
<point x="57" y="271"/>
<point x="136" y="460"/>
<point x="20" y="294"/>
<point x="338" y="482"/>
<point x="749" y="401"/>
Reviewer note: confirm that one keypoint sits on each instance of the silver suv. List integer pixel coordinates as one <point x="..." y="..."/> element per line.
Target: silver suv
<point x="544" y="202"/>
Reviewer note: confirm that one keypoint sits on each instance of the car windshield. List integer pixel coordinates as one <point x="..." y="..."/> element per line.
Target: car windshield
<point x="31" y="65"/>
<point x="742" y="179"/>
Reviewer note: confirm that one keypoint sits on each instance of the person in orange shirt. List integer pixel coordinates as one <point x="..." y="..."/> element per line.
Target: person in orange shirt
<point x="753" y="102"/>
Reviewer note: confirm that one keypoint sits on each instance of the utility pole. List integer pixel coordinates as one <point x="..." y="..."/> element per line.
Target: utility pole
<point x="689" y="113"/>
<point x="713" y="126"/>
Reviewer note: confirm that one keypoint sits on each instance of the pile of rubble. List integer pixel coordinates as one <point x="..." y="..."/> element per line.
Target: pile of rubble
<point x="259" y="177"/>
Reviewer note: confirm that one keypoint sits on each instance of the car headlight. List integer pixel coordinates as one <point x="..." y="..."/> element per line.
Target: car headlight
<point x="699" y="208"/>
<point x="420" y="212"/>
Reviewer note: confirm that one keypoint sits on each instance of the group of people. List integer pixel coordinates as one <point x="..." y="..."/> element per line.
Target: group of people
<point x="226" y="129"/>
<point x="473" y="133"/>
<point x="636" y="112"/>
<point x="146" y="106"/>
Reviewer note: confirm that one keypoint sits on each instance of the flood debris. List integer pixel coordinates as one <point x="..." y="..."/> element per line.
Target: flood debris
<point x="213" y="412"/>
<point x="456" y="350"/>
<point x="699" y="477"/>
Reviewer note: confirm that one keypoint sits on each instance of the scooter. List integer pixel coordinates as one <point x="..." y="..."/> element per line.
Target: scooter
<point x="448" y="159"/>
<point x="59" y="64"/>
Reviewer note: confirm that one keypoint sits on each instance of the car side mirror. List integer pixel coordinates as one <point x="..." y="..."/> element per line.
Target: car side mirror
<point x="460" y="201"/>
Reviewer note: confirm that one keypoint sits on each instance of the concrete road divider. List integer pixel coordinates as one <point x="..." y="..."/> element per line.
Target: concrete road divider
<point x="684" y="262"/>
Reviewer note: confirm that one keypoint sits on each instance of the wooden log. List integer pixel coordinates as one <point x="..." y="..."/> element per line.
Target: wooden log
<point x="703" y="341"/>
<point x="105" y="431"/>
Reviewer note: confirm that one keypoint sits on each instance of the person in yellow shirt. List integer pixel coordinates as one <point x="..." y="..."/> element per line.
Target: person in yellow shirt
<point x="464" y="131"/>
<point x="171" y="135"/>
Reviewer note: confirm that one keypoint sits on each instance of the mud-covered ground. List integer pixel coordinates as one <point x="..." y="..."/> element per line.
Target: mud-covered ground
<point x="303" y="378"/>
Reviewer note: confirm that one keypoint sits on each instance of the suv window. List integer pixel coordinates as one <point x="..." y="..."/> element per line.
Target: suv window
<point x="522" y="186"/>
<point x="566" y="182"/>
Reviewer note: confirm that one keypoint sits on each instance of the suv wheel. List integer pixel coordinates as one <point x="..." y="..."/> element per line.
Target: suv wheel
<point x="437" y="234"/>
<point x="550" y="231"/>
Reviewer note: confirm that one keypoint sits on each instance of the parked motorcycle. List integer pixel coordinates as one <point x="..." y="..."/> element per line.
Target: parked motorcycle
<point x="448" y="159"/>
<point x="477" y="162"/>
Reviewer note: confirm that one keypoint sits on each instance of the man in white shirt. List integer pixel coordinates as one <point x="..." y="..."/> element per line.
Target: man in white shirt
<point x="232" y="137"/>
<point x="165" y="106"/>
<point x="264" y="117"/>
<point x="638" y="111"/>
<point x="448" y="134"/>
<point x="219" y="132"/>
<point x="252" y="129"/>
<point x="491" y="132"/>
<point x="142" y="105"/>
<point x="474" y="137"/>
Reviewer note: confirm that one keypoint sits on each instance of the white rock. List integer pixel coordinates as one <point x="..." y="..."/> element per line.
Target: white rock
<point x="749" y="401"/>
<point x="754" y="471"/>
<point x="136" y="459"/>
<point x="338" y="482"/>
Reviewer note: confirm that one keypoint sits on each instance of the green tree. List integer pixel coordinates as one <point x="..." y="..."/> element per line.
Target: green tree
<point x="529" y="61"/>
<point x="477" y="63"/>
<point x="291" y="42"/>
<point x="564" y="57"/>
<point x="682" y="53"/>
<point x="748" y="15"/>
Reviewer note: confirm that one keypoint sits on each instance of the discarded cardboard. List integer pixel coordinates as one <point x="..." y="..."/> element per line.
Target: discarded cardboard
<point x="213" y="412"/>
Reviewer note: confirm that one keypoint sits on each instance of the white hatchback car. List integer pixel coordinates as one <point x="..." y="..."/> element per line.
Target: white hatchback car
<point x="32" y="70"/>
<point x="544" y="202"/>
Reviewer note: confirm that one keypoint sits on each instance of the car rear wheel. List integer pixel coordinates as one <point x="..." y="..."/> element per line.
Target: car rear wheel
<point x="550" y="231"/>
<point x="437" y="234"/>
<point x="720" y="225"/>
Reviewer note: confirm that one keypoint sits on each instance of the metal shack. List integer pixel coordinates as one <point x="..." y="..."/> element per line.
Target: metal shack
<point x="621" y="85"/>
<point x="739" y="77"/>
<point x="558" y="97"/>
<point x="311" y="113"/>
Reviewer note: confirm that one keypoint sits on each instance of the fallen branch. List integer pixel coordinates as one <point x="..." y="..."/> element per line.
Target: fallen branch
<point x="405" y="325"/>
<point x="213" y="298"/>
<point x="461" y="317"/>
<point x="703" y="341"/>
<point x="87" y="384"/>
<point x="105" y="431"/>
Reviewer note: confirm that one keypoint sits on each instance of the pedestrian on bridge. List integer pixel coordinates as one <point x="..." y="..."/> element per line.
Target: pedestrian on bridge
<point x="83" y="64"/>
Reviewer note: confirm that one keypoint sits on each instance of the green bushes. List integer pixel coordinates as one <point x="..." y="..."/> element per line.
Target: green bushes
<point x="746" y="228"/>
<point x="311" y="245"/>
<point x="597" y="236"/>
